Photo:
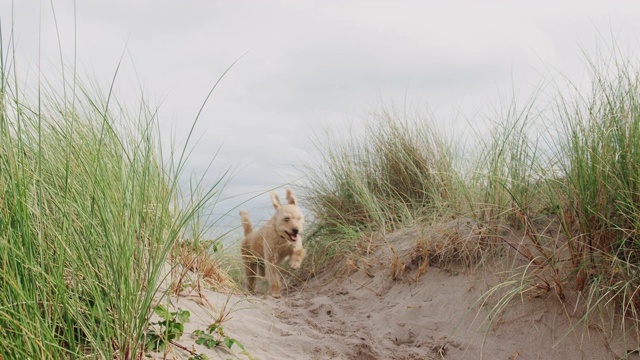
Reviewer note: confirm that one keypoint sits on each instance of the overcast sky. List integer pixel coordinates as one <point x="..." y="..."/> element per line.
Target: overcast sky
<point x="309" y="63"/>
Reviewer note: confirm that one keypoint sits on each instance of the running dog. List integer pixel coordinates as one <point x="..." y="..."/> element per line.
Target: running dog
<point x="265" y="248"/>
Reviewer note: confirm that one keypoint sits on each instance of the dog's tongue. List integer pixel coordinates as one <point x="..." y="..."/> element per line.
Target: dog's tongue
<point x="293" y="237"/>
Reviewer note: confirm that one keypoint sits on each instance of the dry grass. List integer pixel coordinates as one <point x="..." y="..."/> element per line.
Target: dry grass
<point x="196" y="262"/>
<point x="450" y="244"/>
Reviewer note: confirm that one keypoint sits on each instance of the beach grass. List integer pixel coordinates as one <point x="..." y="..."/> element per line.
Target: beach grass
<point x="90" y="209"/>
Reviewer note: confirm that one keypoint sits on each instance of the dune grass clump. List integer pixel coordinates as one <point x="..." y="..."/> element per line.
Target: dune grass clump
<point x="88" y="216"/>
<point x="394" y="172"/>
<point x="505" y="175"/>
<point x="600" y="161"/>
<point x="570" y="194"/>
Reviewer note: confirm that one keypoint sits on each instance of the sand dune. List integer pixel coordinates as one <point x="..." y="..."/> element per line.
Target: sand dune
<point x="363" y="313"/>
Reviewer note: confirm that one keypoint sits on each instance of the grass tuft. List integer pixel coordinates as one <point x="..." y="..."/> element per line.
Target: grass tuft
<point x="397" y="171"/>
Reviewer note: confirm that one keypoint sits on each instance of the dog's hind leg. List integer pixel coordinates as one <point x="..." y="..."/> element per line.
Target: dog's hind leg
<point x="274" y="278"/>
<point x="260" y="265"/>
<point x="250" y="272"/>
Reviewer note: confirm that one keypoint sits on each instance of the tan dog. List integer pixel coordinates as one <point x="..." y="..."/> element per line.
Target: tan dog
<point x="271" y="244"/>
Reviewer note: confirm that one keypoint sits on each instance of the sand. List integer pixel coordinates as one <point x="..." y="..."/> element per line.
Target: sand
<point x="357" y="310"/>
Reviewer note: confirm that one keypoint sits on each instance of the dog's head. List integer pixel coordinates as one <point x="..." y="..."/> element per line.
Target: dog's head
<point x="288" y="217"/>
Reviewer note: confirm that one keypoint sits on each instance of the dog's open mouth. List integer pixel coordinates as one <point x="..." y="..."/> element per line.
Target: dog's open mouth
<point x="292" y="237"/>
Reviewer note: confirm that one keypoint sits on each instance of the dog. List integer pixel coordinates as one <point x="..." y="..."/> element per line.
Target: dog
<point x="265" y="248"/>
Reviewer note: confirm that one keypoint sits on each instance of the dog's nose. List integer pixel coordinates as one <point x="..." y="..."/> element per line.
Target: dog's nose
<point x="295" y="231"/>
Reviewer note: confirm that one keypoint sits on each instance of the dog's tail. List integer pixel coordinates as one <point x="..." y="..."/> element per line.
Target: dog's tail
<point x="246" y="223"/>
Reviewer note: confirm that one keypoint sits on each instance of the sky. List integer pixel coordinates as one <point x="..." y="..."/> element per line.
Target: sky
<point x="307" y="65"/>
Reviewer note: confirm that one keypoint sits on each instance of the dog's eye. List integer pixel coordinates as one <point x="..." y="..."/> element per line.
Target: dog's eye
<point x="287" y="219"/>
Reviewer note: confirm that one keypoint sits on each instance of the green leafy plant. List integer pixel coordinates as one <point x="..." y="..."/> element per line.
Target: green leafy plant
<point x="199" y="357"/>
<point x="170" y="328"/>
<point x="214" y="337"/>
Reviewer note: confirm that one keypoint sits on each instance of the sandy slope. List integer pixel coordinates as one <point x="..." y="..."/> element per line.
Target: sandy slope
<point x="365" y="314"/>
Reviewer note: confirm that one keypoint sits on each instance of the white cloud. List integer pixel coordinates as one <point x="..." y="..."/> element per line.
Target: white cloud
<point x="309" y="62"/>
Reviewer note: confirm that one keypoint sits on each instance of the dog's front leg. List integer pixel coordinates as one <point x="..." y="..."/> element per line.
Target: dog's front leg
<point x="296" y="258"/>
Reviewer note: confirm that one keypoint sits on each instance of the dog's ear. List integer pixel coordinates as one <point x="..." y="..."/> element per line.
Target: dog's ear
<point x="275" y="200"/>
<point x="290" y="198"/>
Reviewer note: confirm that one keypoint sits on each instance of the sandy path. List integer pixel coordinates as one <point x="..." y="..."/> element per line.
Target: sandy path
<point x="432" y="319"/>
<point x="368" y="315"/>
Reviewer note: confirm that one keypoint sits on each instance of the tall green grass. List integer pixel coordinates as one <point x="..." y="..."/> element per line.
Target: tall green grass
<point x="89" y="211"/>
